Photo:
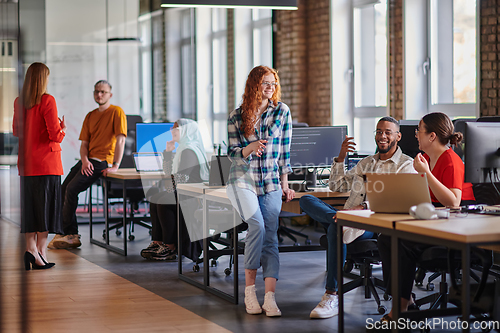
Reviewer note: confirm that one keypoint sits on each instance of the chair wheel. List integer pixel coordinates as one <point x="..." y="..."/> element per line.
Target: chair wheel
<point x="227" y="271"/>
<point x="150" y="232"/>
<point x="118" y="232"/>
<point x="308" y="242"/>
<point x="387" y="297"/>
<point x="213" y="263"/>
<point x="419" y="283"/>
<point x="348" y="266"/>
<point x="196" y="268"/>
<point x="104" y="234"/>
<point x="296" y="244"/>
<point x="429" y="286"/>
<point x="381" y="309"/>
<point x="131" y="237"/>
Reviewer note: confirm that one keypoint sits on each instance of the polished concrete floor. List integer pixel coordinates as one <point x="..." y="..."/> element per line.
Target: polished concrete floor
<point x="301" y="285"/>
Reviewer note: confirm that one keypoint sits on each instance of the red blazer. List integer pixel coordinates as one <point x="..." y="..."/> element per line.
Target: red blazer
<point x="39" y="137"/>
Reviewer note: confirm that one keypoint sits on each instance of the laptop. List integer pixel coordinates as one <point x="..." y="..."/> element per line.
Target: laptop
<point x="148" y="162"/>
<point x="219" y="171"/>
<point x="395" y="192"/>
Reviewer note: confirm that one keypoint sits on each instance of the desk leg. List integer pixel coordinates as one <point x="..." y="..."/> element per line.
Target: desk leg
<point x="206" y="268"/>
<point x="106" y="211"/>
<point x="179" y="237"/>
<point x="90" y="212"/>
<point x="125" y="217"/>
<point x="466" y="286"/>
<point x="235" y="255"/>
<point x="340" y="274"/>
<point x="396" y="299"/>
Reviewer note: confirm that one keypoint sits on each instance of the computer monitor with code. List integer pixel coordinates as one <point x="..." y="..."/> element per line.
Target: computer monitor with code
<point x="314" y="147"/>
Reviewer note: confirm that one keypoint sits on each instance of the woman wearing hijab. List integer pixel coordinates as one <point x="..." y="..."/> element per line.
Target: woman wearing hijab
<point x="187" y="165"/>
<point x="40" y="132"/>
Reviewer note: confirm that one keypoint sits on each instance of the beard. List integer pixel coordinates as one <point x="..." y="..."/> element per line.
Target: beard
<point x="389" y="147"/>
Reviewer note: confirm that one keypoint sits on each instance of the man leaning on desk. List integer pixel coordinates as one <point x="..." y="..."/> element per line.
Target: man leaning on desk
<point x="388" y="159"/>
<point x="103" y="140"/>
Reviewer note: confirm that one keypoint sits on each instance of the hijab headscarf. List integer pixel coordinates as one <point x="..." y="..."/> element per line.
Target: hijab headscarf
<point x="190" y="138"/>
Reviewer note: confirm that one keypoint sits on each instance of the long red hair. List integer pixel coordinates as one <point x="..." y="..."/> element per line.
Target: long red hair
<point x="35" y="84"/>
<point x="252" y="98"/>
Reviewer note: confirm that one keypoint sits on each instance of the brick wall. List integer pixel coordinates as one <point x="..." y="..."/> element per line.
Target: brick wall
<point x="302" y="58"/>
<point x="396" y="95"/>
<point x="489" y="47"/>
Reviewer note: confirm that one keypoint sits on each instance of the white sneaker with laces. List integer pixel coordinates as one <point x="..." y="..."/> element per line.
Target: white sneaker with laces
<point x="251" y="303"/>
<point x="270" y="307"/>
<point x="328" y="307"/>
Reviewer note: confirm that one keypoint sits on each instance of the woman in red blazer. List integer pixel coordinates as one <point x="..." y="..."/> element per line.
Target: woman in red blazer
<point x="40" y="132"/>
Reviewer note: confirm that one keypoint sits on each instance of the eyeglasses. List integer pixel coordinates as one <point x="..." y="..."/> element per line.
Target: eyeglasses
<point x="417" y="130"/>
<point x="387" y="133"/>
<point x="97" y="92"/>
<point x="271" y="84"/>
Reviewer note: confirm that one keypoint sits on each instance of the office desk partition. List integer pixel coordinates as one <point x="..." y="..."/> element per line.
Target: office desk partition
<point x="460" y="233"/>
<point x="122" y="176"/>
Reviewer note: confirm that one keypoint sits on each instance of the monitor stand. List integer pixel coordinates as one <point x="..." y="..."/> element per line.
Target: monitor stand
<point x="310" y="178"/>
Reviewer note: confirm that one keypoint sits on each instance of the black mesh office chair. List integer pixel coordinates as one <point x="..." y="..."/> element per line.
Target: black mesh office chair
<point x="135" y="191"/>
<point x="283" y="230"/>
<point x="362" y="254"/>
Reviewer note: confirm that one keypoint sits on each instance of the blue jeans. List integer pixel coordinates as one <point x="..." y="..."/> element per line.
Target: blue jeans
<point x="324" y="213"/>
<point x="261" y="214"/>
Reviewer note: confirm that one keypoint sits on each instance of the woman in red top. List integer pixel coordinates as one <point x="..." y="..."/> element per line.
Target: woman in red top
<point x="445" y="174"/>
<point x="40" y="132"/>
<point x="444" y="168"/>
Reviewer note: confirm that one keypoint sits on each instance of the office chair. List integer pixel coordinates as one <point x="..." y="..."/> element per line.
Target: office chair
<point x="135" y="191"/>
<point x="222" y="215"/>
<point x="283" y="230"/>
<point x="362" y="254"/>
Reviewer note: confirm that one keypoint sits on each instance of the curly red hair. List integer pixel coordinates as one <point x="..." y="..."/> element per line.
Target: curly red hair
<point x="252" y="98"/>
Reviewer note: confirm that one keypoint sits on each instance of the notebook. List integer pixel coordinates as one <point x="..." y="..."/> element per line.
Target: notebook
<point x="219" y="171"/>
<point x="148" y="162"/>
<point x="395" y="192"/>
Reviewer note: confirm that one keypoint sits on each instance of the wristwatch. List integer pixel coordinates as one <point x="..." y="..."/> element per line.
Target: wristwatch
<point x="115" y="163"/>
<point x="365" y="205"/>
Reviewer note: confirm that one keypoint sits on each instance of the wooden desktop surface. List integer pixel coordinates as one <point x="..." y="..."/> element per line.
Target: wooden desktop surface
<point x="470" y="229"/>
<point x="131" y="173"/>
<point x="370" y="218"/>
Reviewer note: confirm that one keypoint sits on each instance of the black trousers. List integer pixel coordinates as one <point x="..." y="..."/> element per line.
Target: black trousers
<point x="164" y="222"/>
<point x="409" y="253"/>
<point x="74" y="184"/>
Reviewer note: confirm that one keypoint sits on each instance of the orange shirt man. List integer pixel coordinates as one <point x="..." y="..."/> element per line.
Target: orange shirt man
<point x="103" y="140"/>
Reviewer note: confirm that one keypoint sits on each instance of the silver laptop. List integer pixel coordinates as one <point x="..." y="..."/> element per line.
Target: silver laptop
<point x="148" y="162"/>
<point x="396" y="192"/>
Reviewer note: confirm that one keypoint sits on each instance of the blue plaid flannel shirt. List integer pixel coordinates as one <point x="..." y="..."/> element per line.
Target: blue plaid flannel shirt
<point x="261" y="174"/>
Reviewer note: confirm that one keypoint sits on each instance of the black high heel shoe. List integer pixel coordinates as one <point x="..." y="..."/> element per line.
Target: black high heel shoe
<point x="30" y="262"/>
<point x="45" y="262"/>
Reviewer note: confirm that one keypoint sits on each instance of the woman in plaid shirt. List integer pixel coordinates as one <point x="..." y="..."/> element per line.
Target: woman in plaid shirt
<point x="260" y="132"/>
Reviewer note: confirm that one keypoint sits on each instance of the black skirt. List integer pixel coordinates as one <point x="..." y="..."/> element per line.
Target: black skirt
<point x="41" y="204"/>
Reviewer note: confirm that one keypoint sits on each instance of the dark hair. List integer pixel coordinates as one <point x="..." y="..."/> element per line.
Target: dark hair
<point x="442" y="125"/>
<point x="389" y="119"/>
<point x="103" y="82"/>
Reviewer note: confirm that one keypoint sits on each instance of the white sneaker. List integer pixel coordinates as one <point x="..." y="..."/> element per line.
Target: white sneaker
<point x="270" y="307"/>
<point x="51" y="244"/>
<point x="328" y="307"/>
<point x="251" y="303"/>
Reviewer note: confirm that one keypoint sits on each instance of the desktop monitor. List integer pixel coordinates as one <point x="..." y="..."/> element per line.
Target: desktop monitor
<point x="482" y="152"/>
<point x="153" y="137"/>
<point x="314" y="147"/>
<point x="408" y="143"/>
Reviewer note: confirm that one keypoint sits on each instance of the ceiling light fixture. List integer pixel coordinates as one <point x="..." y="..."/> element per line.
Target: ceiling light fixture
<point x="268" y="4"/>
